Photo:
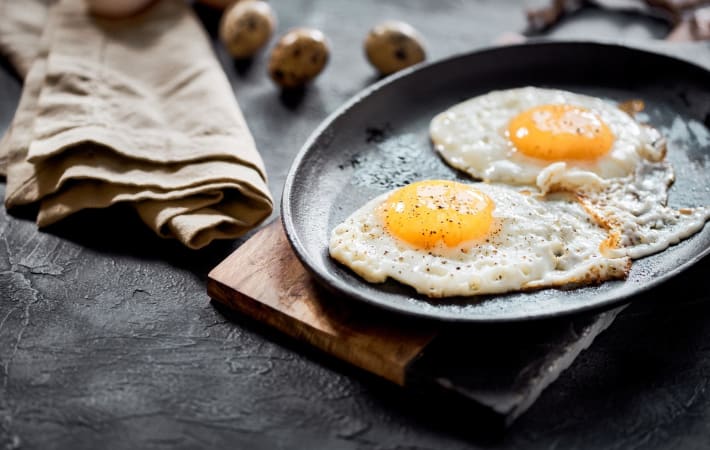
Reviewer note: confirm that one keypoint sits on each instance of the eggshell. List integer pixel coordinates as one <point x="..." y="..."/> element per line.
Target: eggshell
<point x="246" y="27"/>
<point x="298" y="57"/>
<point x="392" y="46"/>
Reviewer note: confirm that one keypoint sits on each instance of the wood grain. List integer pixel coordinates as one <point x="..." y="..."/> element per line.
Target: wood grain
<point x="265" y="280"/>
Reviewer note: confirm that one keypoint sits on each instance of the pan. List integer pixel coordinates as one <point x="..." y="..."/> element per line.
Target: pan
<point x="379" y="140"/>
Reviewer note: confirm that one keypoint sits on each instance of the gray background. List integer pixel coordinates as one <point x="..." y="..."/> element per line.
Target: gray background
<point x="113" y="343"/>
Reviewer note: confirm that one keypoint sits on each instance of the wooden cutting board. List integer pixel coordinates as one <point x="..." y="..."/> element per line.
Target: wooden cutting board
<point x="501" y="369"/>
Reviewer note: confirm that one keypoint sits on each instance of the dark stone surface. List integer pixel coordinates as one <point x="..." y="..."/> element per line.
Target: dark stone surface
<point x="110" y="341"/>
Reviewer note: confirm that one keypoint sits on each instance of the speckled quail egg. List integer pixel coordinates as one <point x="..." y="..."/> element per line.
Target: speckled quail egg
<point x="393" y="45"/>
<point x="246" y="27"/>
<point x="298" y="57"/>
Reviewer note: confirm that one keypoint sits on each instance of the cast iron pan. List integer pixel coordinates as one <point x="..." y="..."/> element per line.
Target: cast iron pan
<point x="379" y="141"/>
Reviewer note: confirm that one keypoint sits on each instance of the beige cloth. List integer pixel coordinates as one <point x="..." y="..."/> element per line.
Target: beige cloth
<point x="138" y="111"/>
<point x="21" y="27"/>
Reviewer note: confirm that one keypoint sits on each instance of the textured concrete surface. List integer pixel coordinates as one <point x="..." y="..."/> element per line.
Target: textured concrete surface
<point x="112" y="342"/>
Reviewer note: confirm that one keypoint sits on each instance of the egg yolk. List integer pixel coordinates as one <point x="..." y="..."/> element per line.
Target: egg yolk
<point x="560" y="132"/>
<point x="430" y="213"/>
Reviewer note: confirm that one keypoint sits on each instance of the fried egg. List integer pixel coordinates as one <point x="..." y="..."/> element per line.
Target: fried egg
<point x="446" y="238"/>
<point x="512" y="135"/>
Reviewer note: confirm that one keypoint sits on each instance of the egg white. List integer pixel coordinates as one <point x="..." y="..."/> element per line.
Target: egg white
<point x="471" y="136"/>
<point x="634" y="207"/>
<point x="537" y="243"/>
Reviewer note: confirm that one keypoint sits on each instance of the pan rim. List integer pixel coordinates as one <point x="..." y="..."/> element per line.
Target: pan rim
<point x="608" y="300"/>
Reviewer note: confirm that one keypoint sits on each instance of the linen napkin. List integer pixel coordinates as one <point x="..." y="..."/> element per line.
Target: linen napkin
<point x="135" y="110"/>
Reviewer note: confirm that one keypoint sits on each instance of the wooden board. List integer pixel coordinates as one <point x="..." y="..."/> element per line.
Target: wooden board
<point x="265" y="280"/>
<point x="500" y="370"/>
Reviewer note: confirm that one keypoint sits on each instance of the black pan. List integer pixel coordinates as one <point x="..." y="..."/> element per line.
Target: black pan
<point x="379" y="140"/>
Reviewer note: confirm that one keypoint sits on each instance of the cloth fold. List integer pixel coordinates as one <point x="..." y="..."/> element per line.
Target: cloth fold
<point x="135" y="110"/>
